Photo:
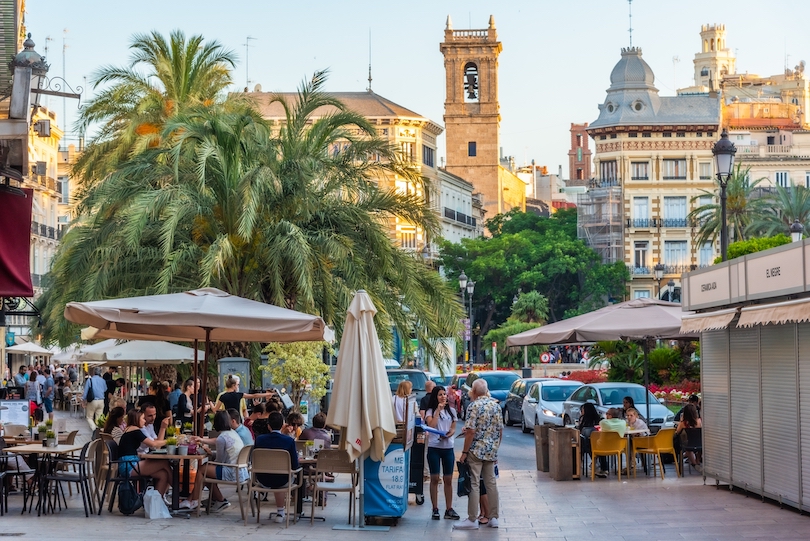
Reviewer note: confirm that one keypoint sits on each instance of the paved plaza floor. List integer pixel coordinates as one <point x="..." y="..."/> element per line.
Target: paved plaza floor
<point x="532" y="507"/>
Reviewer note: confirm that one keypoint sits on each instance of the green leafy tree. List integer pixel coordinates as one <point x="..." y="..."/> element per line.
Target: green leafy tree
<point x="780" y="208"/>
<point x="742" y="206"/>
<point x="531" y="307"/>
<point x="163" y="77"/>
<point x="299" y="367"/>
<point x="529" y="311"/>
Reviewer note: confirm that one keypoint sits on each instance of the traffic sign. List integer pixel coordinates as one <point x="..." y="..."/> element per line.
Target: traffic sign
<point x="545" y="358"/>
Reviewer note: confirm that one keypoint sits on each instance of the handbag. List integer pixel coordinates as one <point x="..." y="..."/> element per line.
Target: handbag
<point x="154" y="506"/>
<point x="464" y="481"/>
<point x="129" y="499"/>
<point x="90" y="394"/>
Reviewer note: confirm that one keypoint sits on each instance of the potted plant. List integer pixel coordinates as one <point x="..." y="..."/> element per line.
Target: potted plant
<point x="50" y="438"/>
<point x="41" y="430"/>
<point x="171" y="445"/>
<point x="187" y="428"/>
<point x="170" y="431"/>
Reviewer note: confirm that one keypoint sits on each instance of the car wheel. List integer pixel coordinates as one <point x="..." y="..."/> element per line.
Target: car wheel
<point x="523" y="425"/>
<point x="567" y="420"/>
<point x="506" y="420"/>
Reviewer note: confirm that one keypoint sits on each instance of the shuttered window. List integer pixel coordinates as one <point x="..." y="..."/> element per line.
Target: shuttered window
<point x="746" y="407"/>
<point x="715" y="411"/>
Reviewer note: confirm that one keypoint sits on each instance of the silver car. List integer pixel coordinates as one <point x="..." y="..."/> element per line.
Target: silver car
<point x="543" y="404"/>
<point x="611" y="395"/>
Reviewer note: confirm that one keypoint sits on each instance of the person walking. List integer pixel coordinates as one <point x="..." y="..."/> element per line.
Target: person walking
<point x="95" y="405"/>
<point x="483" y="432"/>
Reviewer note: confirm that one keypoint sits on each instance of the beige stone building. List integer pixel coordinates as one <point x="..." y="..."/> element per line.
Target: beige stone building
<point x="652" y="157"/>
<point x="472" y="117"/>
<point x="415" y="136"/>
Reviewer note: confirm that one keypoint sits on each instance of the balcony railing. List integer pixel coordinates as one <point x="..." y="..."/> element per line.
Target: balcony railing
<point x="678" y="177"/>
<point x="674" y="222"/>
<point x="645" y="177"/>
<point x="641" y="222"/>
<point x="459" y="217"/>
<point x="635" y="271"/>
<point x="668" y="269"/>
<point x="677" y="269"/>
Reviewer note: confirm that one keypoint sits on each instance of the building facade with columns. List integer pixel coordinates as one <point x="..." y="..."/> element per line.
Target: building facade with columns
<point x="653" y="153"/>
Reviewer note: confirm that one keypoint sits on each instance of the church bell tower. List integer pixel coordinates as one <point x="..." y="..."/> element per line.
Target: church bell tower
<point x="471" y="110"/>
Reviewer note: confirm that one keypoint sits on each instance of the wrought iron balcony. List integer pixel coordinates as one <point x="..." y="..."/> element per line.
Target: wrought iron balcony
<point x="674" y="222"/>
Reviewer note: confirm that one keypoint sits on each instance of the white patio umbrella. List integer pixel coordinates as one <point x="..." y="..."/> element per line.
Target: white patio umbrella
<point x="361" y="396"/>
<point x="29" y="348"/>
<point x="141" y="350"/>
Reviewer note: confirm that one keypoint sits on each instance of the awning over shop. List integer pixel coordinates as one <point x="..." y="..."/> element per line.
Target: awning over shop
<point x="707" y="321"/>
<point x="784" y="312"/>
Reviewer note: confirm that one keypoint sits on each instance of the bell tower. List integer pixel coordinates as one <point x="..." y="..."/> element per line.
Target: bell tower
<point x="714" y="60"/>
<point x="471" y="110"/>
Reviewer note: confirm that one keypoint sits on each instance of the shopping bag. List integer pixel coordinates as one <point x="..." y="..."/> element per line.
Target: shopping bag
<point x="154" y="506"/>
<point x="129" y="499"/>
<point x="464" y="481"/>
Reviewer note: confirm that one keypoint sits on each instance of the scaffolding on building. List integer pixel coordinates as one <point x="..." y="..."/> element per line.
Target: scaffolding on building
<point x="600" y="221"/>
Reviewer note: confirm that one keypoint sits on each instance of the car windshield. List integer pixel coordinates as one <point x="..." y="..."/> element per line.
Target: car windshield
<point x="499" y="382"/>
<point x="417" y="379"/>
<point x="614" y="396"/>
<point x="557" y="393"/>
<point x="444" y="381"/>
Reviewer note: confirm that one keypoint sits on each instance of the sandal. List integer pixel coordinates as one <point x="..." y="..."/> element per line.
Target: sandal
<point x="482" y="520"/>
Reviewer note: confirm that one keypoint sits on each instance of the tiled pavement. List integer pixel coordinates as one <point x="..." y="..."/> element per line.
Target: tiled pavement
<point x="532" y="507"/>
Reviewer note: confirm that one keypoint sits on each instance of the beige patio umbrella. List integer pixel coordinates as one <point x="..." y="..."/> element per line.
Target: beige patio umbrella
<point x="361" y="397"/>
<point x="29" y="348"/>
<point x="207" y="314"/>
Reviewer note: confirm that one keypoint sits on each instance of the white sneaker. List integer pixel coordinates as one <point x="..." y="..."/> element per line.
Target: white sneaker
<point x="279" y="518"/>
<point x="185" y="504"/>
<point x="466" y="524"/>
<point x="493" y="523"/>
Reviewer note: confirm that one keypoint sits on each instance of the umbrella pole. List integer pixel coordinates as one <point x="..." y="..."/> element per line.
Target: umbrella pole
<point x="205" y="366"/>
<point x="195" y="393"/>
<point x="646" y="348"/>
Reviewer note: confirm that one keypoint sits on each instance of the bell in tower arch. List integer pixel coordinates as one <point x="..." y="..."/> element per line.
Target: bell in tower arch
<point x="471" y="81"/>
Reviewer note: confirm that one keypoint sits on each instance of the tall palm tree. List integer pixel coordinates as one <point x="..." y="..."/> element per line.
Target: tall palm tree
<point x="782" y="207"/>
<point x="742" y="205"/>
<point x="279" y="217"/>
<point x="162" y="77"/>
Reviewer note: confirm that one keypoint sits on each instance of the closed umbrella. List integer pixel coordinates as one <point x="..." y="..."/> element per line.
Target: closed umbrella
<point x="639" y="319"/>
<point x="361" y="396"/>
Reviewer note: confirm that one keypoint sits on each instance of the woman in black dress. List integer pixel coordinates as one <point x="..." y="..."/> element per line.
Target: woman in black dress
<point x="159" y="470"/>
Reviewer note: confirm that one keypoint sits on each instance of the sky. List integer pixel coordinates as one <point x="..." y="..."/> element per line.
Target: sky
<point x="554" y="68"/>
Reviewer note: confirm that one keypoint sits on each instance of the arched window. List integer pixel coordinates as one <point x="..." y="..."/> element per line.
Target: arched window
<point x="705" y="46"/>
<point x="704" y="72"/>
<point x="712" y="44"/>
<point x="470" y="82"/>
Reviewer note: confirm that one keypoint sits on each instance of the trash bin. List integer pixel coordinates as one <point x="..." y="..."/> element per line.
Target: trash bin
<point x="541" y="446"/>
<point x="527" y="373"/>
<point x="561" y="459"/>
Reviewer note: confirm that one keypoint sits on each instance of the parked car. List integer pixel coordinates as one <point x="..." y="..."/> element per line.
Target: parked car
<point x="513" y="406"/>
<point x="438" y="379"/>
<point x="543" y="404"/>
<point x="498" y="381"/>
<point x="416" y="377"/>
<point x="611" y="395"/>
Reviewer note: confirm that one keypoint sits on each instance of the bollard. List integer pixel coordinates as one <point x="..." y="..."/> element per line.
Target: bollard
<point x="541" y="446"/>
<point x="561" y="465"/>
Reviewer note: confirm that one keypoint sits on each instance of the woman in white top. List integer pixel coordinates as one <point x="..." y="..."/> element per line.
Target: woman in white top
<point x="441" y="417"/>
<point x="400" y="400"/>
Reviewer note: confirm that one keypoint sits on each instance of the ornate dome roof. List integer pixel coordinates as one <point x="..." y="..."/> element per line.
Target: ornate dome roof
<point x="632" y="72"/>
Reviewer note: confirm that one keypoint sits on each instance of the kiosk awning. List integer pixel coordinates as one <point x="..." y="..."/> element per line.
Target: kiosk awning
<point x="783" y="312"/>
<point x="709" y="321"/>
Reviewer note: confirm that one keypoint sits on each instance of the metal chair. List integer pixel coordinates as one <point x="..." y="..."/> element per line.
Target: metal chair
<point x="691" y="440"/>
<point x="608" y="444"/>
<point x="83" y="472"/>
<point x="334" y="461"/>
<point x="273" y="461"/>
<point x="656" y="445"/>
<point x="241" y="462"/>
<point x="113" y="477"/>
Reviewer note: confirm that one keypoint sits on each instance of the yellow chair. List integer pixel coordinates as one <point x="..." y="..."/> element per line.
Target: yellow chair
<point x="273" y="461"/>
<point x="607" y="444"/>
<point x="657" y="445"/>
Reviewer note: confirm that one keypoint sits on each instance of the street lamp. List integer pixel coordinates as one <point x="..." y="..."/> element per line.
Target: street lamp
<point x="462" y="285"/>
<point x="796" y="230"/>
<point x="30" y="71"/>
<point x="659" y="274"/>
<point x="724" y="151"/>
<point x="671" y="286"/>
<point x="470" y="289"/>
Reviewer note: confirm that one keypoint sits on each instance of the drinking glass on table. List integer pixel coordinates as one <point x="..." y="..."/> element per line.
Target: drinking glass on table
<point x="178" y="426"/>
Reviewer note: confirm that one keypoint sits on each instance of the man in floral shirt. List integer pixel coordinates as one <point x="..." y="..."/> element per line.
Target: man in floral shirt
<point x="482" y="437"/>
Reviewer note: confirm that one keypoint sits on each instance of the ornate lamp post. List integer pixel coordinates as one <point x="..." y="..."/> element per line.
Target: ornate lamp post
<point x="659" y="275"/>
<point x="462" y="285"/>
<point x="796" y="230"/>
<point x="470" y="290"/>
<point x="724" y="151"/>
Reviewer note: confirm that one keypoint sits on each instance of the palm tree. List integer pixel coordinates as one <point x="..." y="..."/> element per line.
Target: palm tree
<point x="780" y="209"/>
<point x="742" y="205"/>
<point x="282" y="218"/>
<point x="163" y="77"/>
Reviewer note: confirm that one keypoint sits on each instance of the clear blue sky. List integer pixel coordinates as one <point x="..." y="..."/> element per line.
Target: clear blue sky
<point x="554" y="68"/>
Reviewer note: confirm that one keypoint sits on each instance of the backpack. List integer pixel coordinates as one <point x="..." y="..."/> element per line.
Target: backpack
<point x="90" y="394"/>
<point x="129" y="499"/>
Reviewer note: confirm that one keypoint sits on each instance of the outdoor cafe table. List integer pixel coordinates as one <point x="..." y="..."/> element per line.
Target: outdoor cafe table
<point x="25" y="440"/>
<point x="44" y="457"/>
<point x="174" y="461"/>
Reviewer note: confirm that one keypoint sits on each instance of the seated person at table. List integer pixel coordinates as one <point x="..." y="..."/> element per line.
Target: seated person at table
<point x="317" y="431"/>
<point x="115" y="423"/>
<point x="695" y="401"/>
<point x="293" y="426"/>
<point x="276" y="440"/>
<point x="131" y="440"/>
<point x="690" y="419"/>
<point x="148" y="428"/>
<point x="240" y="429"/>
<point x="260" y="427"/>
<point x="634" y="422"/>
<point x="257" y="413"/>
<point x="157" y="397"/>
<point x="589" y="419"/>
<point x="228" y="444"/>
<point x="613" y="422"/>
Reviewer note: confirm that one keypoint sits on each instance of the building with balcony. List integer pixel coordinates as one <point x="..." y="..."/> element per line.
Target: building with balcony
<point x="462" y="210"/>
<point x="652" y="159"/>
